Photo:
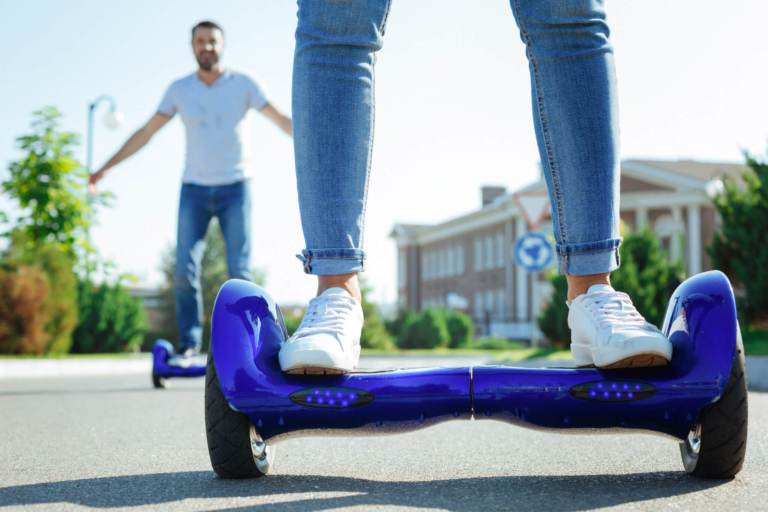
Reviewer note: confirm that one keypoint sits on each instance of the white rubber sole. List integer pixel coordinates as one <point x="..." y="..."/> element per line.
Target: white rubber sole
<point x="632" y="353"/>
<point x="317" y="362"/>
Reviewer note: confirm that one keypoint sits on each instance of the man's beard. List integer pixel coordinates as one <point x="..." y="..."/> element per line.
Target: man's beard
<point x="208" y="65"/>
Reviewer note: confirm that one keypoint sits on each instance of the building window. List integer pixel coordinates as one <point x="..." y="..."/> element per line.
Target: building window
<point x="450" y="262"/>
<point x="500" y="304"/>
<point x="441" y="263"/>
<point x="460" y="260"/>
<point x="424" y="275"/>
<point x="500" y="251"/>
<point x="402" y="268"/>
<point x="478" y="254"/>
<point x="489" y="255"/>
<point x="489" y="296"/>
<point x="432" y="264"/>
<point x="479" y="310"/>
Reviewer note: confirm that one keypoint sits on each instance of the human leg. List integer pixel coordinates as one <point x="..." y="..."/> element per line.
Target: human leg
<point x="232" y="206"/>
<point x="575" y="108"/>
<point x="333" y="121"/>
<point x="575" y="112"/>
<point x="194" y="215"/>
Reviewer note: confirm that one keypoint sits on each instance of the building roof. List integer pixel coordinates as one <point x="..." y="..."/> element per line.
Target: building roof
<point x="661" y="180"/>
<point x="703" y="171"/>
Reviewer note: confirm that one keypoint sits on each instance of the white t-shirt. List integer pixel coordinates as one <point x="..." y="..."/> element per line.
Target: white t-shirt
<point x="217" y="127"/>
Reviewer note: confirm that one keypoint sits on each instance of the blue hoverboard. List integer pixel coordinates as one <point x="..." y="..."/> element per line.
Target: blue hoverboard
<point x="162" y="351"/>
<point x="699" y="399"/>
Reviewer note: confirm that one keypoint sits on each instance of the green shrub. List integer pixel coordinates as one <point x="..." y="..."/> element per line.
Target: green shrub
<point x="553" y="320"/>
<point x="23" y="312"/>
<point x="645" y="275"/>
<point x="395" y="325"/>
<point x="461" y="329"/>
<point x="61" y="302"/>
<point x="740" y="249"/>
<point x="425" y="330"/>
<point x="374" y="334"/>
<point x="498" y="344"/>
<point x="110" y="320"/>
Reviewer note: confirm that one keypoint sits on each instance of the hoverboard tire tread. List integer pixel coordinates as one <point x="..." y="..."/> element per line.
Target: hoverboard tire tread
<point x="723" y="427"/>
<point x="227" y="432"/>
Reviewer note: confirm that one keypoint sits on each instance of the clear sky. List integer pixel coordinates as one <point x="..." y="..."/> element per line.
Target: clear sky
<point x="453" y="107"/>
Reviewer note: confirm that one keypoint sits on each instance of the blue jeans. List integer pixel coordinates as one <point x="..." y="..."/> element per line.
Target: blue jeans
<point x="231" y="204"/>
<point x="575" y="111"/>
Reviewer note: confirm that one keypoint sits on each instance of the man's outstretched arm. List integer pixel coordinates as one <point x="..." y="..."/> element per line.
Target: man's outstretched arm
<point x="136" y="141"/>
<point x="277" y="117"/>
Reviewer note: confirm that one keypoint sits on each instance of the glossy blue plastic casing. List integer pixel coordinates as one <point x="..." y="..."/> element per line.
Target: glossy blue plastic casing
<point x="161" y="351"/>
<point x="700" y="322"/>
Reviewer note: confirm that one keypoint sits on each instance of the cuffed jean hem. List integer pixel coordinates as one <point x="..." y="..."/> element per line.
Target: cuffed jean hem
<point x="332" y="262"/>
<point x="588" y="258"/>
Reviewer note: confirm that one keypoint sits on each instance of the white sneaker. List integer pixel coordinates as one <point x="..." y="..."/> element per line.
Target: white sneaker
<point x="608" y="332"/>
<point x="328" y="338"/>
<point x="187" y="359"/>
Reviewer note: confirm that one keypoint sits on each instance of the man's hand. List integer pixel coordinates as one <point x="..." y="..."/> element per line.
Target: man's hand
<point x="94" y="179"/>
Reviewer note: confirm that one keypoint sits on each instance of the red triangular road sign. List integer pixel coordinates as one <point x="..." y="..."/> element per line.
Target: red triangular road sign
<point x="533" y="205"/>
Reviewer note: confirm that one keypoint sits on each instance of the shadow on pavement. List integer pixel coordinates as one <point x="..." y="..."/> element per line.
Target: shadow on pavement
<point x="311" y="492"/>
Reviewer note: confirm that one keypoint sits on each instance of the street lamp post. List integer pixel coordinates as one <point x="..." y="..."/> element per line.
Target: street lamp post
<point x="112" y="120"/>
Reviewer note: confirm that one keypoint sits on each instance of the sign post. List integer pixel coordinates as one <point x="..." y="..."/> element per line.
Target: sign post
<point x="532" y="251"/>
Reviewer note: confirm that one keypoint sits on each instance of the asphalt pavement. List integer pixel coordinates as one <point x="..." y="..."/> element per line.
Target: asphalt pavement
<point x="80" y="443"/>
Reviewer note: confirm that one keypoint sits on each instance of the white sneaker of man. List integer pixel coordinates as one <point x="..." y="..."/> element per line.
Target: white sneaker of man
<point x="328" y="338"/>
<point x="608" y="332"/>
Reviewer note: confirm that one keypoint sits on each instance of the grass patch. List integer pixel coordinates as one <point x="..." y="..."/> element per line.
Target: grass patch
<point x="755" y="342"/>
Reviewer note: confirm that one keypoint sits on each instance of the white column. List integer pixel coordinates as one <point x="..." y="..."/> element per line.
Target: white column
<point x="694" y="239"/>
<point x="508" y="269"/>
<point x="641" y="219"/>
<point x="676" y="244"/>
<point x="521" y="276"/>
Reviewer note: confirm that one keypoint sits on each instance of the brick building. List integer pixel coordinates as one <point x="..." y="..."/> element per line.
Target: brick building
<point x="467" y="262"/>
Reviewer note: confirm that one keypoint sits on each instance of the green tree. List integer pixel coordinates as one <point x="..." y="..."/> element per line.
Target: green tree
<point x="213" y="275"/>
<point x="49" y="185"/>
<point x="740" y="249"/>
<point x="425" y="330"/>
<point x="50" y="230"/>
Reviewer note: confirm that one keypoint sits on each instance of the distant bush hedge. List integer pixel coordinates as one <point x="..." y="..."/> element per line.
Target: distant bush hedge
<point x="23" y="312"/>
<point x="110" y="319"/>
<point x="461" y="329"/>
<point x="425" y="330"/>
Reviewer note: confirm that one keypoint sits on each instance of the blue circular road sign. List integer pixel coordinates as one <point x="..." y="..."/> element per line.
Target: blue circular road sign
<point x="533" y="252"/>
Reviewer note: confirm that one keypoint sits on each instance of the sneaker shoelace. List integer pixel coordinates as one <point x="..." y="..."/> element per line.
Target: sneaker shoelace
<point x="615" y="309"/>
<point x="325" y="315"/>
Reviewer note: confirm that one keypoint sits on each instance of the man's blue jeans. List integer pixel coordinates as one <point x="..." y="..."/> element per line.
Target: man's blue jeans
<point x="575" y="111"/>
<point x="231" y="204"/>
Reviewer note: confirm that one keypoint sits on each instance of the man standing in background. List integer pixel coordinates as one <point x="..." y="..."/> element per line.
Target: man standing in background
<point x="213" y="103"/>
